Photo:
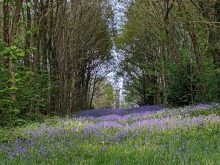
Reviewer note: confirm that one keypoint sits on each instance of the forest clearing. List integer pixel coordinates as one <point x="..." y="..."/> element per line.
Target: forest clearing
<point x="118" y="82"/>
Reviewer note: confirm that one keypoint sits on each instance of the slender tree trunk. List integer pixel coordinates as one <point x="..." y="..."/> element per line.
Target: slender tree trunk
<point x="168" y="29"/>
<point x="216" y="41"/>
<point x="36" y="38"/>
<point x="192" y="33"/>
<point x="163" y="74"/>
<point x="28" y="35"/>
<point x="6" y="24"/>
<point x="9" y="35"/>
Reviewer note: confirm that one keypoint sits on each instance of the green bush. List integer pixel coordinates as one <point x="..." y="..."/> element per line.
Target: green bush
<point x="30" y="89"/>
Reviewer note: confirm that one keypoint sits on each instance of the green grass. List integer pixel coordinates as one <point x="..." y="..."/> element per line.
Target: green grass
<point x="193" y="146"/>
<point x="200" y="112"/>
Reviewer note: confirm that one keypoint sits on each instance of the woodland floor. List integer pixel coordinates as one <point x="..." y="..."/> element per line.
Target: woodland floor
<point x="144" y="135"/>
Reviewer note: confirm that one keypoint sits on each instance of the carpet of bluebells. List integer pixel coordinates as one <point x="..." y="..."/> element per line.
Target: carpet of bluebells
<point x="144" y="135"/>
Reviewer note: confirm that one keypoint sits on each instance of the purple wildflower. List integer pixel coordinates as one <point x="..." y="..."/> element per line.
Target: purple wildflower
<point x="104" y="125"/>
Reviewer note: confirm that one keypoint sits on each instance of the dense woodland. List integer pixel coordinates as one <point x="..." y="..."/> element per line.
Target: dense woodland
<point x="171" y="51"/>
<point x="55" y="54"/>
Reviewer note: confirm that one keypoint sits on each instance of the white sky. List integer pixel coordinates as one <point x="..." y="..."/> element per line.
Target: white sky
<point x="119" y="15"/>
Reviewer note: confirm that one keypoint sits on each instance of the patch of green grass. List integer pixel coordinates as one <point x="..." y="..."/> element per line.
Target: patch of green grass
<point x="199" y="112"/>
<point x="9" y="134"/>
<point x="194" y="146"/>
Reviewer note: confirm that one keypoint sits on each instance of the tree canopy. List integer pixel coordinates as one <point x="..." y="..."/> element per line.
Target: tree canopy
<point x="170" y="51"/>
<point x="51" y="54"/>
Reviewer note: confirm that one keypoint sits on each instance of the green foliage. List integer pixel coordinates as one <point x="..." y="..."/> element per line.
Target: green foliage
<point x="169" y="56"/>
<point x="210" y="80"/>
<point x="181" y="86"/>
<point x="29" y="89"/>
<point x="32" y="91"/>
<point x="13" y="52"/>
<point x="104" y="98"/>
<point x="187" y="86"/>
<point x="29" y="121"/>
<point x="8" y="135"/>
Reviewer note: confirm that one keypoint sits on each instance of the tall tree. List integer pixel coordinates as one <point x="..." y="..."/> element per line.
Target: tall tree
<point x="171" y="39"/>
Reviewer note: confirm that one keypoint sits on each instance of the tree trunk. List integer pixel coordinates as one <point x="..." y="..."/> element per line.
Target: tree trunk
<point x="192" y="33"/>
<point x="168" y="29"/>
<point x="28" y="35"/>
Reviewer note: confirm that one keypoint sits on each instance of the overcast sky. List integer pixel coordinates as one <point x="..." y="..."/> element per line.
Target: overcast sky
<point x="119" y="14"/>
